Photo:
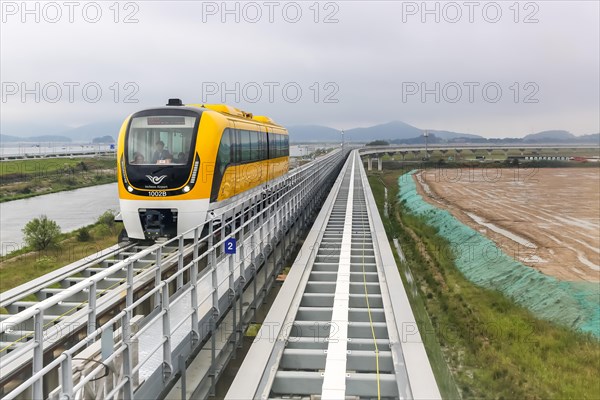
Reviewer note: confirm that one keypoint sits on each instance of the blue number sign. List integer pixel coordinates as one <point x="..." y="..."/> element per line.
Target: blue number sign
<point x="230" y="246"/>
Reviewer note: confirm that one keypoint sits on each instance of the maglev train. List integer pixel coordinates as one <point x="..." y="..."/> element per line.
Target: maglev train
<point x="175" y="163"/>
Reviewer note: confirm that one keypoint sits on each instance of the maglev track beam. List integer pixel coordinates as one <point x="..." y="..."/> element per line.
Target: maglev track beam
<point x="341" y="325"/>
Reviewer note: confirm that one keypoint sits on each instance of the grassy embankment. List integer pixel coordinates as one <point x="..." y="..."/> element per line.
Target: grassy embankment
<point x="497" y="155"/>
<point x="24" y="265"/>
<point x="21" y="179"/>
<point x="493" y="347"/>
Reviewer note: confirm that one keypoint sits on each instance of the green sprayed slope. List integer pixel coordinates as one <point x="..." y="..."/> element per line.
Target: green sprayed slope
<point x="574" y="304"/>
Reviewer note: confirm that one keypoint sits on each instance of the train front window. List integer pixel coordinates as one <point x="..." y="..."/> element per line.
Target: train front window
<point x="160" y="139"/>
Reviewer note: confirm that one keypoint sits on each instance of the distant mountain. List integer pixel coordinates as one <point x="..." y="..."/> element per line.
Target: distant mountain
<point x="89" y="132"/>
<point x="318" y="133"/>
<point x="391" y="130"/>
<point x="44" y="138"/>
<point x="31" y="128"/>
<point x="446" y="135"/>
<point x="431" y="139"/>
<point x="8" y="138"/>
<point x="85" y="133"/>
<point x="592" y="138"/>
<point x="546" y="136"/>
<point x="561" y="137"/>
<point x="397" y="132"/>
<point x="313" y="133"/>
<point x="104" y="139"/>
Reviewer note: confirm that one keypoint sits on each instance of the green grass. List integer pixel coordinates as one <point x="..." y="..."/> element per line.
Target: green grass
<point x="21" y="267"/>
<point x="493" y="347"/>
<point x="44" y="166"/>
<point x="28" y="178"/>
<point x="496" y="154"/>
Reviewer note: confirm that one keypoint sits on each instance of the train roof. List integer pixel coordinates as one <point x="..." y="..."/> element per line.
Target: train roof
<point x="236" y="112"/>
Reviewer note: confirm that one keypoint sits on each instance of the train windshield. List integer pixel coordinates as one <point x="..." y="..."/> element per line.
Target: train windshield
<point x="160" y="139"/>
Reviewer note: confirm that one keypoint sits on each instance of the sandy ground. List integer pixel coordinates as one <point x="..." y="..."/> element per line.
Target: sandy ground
<point x="548" y="219"/>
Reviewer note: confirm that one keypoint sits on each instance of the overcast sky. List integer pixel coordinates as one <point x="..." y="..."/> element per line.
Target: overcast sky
<point x="490" y="68"/>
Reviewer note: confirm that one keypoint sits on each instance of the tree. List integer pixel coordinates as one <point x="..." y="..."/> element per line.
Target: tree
<point x="41" y="232"/>
<point x="378" y="143"/>
<point x="107" y="219"/>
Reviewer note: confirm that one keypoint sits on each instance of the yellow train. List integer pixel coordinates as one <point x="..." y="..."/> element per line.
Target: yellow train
<point x="175" y="163"/>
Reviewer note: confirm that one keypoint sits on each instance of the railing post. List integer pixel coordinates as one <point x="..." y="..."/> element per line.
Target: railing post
<point x="240" y="322"/>
<point x="180" y="263"/>
<point x="182" y="370"/>
<point x="157" y="275"/>
<point x="282" y="225"/>
<point x="129" y="296"/>
<point x="66" y="375"/>
<point x="212" y="373"/>
<point x="254" y="290"/>
<point x="194" y="293"/>
<point x="233" y="288"/>
<point x="91" y="326"/>
<point x="232" y="293"/>
<point x="126" y="336"/>
<point x="166" y="325"/>
<point x="252" y="236"/>
<point x="213" y="269"/>
<point x="38" y="353"/>
<point x="215" y="308"/>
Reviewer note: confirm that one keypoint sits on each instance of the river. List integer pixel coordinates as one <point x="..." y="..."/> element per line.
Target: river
<point x="71" y="210"/>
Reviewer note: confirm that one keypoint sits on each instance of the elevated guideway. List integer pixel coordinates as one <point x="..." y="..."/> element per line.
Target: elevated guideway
<point x="163" y="321"/>
<point x="128" y="323"/>
<point x="341" y="326"/>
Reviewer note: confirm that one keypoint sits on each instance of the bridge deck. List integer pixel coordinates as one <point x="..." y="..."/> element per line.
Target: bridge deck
<point x="341" y="325"/>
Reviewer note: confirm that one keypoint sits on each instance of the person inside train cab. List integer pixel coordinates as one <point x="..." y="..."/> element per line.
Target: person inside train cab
<point x="138" y="158"/>
<point x="161" y="155"/>
<point x="181" y="158"/>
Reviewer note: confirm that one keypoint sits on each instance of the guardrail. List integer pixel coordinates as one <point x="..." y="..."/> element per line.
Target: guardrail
<point x="132" y="353"/>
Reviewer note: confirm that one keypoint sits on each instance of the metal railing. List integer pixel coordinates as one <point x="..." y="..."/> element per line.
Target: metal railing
<point x="132" y="350"/>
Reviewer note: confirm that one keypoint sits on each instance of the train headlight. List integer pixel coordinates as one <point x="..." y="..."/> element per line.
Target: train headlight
<point x="186" y="189"/>
<point x="129" y="189"/>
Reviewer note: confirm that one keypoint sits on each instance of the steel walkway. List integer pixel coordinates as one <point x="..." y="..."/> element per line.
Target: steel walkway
<point x="130" y="322"/>
<point x="341" y="326"/>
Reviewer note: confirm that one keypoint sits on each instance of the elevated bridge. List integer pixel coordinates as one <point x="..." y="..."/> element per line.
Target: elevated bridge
<point x="163" y="321"/>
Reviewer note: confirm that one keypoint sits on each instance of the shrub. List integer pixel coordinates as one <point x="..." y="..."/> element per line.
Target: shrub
<point x="41" y="232"/>
<point x="102" y="231"/>
<point x="107" y="219"/>
<point x="83" y="235"/>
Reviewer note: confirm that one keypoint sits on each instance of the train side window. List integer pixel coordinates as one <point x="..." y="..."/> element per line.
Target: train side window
<point x="263" y="145"/>
<point x="270" y="145"/>
<point x="245" y="145"/>
<point x="286" y="143"/>
<point x="235" y="141"/>
<point x="254" y="149"/>
<point x="224" y="155"/>
<point x="279" y="146"/>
